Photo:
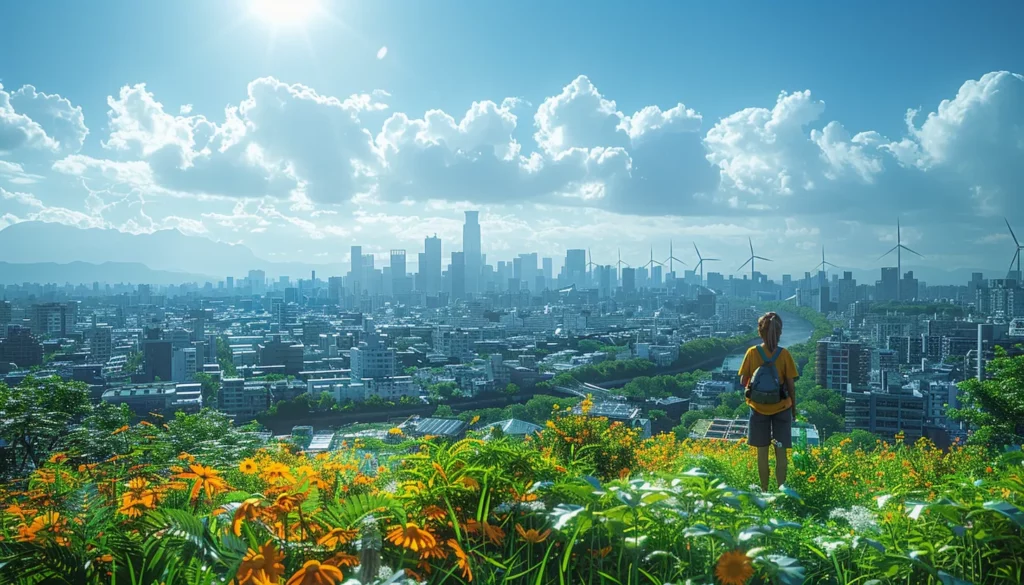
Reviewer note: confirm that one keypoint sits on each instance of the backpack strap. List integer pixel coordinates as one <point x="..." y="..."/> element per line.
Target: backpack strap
<point x="760" y="352"/>
<point x="778" y="352"/>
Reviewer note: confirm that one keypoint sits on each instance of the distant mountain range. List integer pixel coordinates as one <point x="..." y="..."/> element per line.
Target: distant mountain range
<point x="165" y="250"/>
<point x="87" y="273"/>
<point x="168" y="256"/>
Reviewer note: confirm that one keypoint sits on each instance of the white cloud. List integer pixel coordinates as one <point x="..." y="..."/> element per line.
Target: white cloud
<point x="382" y="52"/>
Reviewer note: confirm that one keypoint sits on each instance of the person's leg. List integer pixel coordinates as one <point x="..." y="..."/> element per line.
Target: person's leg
<point x="759" y="434"/>
<point x="781" y="464"/>
<point x="762" y="467"/>
<point x="782" y="435"/>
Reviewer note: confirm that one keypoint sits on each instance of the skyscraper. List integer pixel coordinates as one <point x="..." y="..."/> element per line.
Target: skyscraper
<point x="575" y="266"/>
<point x="888" y="287"/>
<point x="471" y="249"/>
<point x="549" y="270"/>
<point x="431" y="267"/>
<point x="457" y="271"/>
<point x="628" y="280"/>
<point x="355" y="273"/>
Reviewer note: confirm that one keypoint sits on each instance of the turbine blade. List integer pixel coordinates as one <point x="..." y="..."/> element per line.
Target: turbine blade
<point x="711" y="259"/>
<point x="696" y="250"/>
<point x="763" y="258"/>
<point x="1014" y="259"/>
<point x="909" y="250"/>
<point x="751" y="242"/>
<point x="889" y="252"/>
<point x="749" y="260"/>
<point x="1011" y="232"/>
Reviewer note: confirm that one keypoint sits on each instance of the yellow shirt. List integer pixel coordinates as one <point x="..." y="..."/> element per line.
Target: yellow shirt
<point x="787" y="371"/>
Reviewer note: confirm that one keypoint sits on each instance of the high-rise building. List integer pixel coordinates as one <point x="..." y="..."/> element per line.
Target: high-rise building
<point x="887" y="288"/>
<point x="335" y="289"/>
<point x="21" y="348"/>
<point x="842" y="365"/>
<point x="886" y="414"/>
<point x="184" y="364"/>
<point x="471" y="249"/>
<point x="230" y="284"/>
<point x="575" y="266"/>
<point x="549" y="270"/>
<point x="372" y="359"/>
<point x="355" y="273"/>
<point x="5" y="314"/>
<point x="156" y="359"/>
<point x="257" y="282"/>
<point x="655" y="276"/>
<point x="1001" y="296"/>
<point x="529" y="269"/>
<point x="628" y="280"/>
<point x="431" y="267"/>
<point x="909" y="287"/>
<point x="457" y="273"/>
<point x="100" y="344"/>
<point x="54" y="318"/>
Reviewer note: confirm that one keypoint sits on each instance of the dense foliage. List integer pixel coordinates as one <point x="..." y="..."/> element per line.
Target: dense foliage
<point x="995" y="406"/>
<point x="193" y="500"/>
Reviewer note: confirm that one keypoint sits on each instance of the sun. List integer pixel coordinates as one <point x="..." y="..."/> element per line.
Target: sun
<point x="279" y="13"/>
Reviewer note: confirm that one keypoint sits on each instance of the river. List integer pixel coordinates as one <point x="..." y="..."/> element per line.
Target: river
<point x="794" y="330"/>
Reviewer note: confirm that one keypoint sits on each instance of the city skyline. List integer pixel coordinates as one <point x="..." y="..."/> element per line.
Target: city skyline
<point x="586" y="153"/>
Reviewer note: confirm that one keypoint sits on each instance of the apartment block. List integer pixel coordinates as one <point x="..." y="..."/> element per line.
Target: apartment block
<point x="842" y="365"/>
<point x="886" y="414"/>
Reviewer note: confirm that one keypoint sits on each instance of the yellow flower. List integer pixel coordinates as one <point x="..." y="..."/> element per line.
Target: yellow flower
<point x="463" y="559"/>
<point x="260" y="568"/>
<point x="434" y="552"/>
<point x="474" y="420"/>
<point x="734" y="568"/>
<point x="206" y="479"/>
<point x="119" y="430"/>
<point x="247" y="510"/>
<point x="278" y="471"/>
<point x="247" y="466"/>
<point x="395" y="431"/>
<point x="314" y="573"/>
<point x="411" y="537"/>
<point x="531" y="535"/>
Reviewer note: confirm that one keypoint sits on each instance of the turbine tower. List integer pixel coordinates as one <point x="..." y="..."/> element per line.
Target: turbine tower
<point x="824" y="265"/>
<point x="898" y="248"/>
<point x="672" y="258"/>
<point x="751" y="260"/>
<point x="1016" y="252"/>
<point x="619" y="264"/>
<point x="700" y="263"/>
<point x="590" y="267"/>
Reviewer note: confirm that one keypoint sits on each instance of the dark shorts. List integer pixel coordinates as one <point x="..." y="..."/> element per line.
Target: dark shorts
<point x="763" y="429"/>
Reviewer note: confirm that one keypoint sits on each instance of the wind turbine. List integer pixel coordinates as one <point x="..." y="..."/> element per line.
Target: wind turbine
<point x="898" y="248"/>
<point x="671" y="258"/>
<point x="700" y="263"/>
<point x="824" y="265"/>
<point x="619" y="264"/>
<point x="590" y="268"/>
<point x="751" y="259"/>
<point x="1016" y="253"/>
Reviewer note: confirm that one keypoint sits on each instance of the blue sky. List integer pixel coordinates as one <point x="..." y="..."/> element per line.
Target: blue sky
<point x="712" y="170"/>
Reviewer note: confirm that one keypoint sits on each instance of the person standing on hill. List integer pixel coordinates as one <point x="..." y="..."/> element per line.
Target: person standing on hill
<point x="768" y="374"/>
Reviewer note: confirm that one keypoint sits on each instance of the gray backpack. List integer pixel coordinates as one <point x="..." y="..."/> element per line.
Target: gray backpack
<point x="765" y="387"/>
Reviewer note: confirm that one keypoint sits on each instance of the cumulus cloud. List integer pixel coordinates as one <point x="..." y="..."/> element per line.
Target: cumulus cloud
<point x="382" y="52"/>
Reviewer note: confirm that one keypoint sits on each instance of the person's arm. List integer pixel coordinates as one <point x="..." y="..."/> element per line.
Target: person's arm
<point x="745" y="371"/>
<point x="791" y="389"/>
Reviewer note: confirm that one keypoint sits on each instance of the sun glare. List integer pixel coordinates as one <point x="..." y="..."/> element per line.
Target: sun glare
<point x="284" y="12"/>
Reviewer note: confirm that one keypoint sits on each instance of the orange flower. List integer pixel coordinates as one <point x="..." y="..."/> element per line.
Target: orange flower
<point x="342" y="560"/>
<point x="58" y="458"/>
<point x="186" y="457"/>
<point x="262" y="567"/>
<point x="812" y="479"/>
<point x="434" y="552"/>
<point x="411" y="537"/>
<point x="247" y="466"/>
<point x="734" y="568"/>
<point x="532" y="536"/>
<point x="433" y="512"/>
<point x="493" y="533"/>
<point x="463" y="559"/>
<point x="337" y="537"/>
<point x="134" y="505"/>
<point x="247" y="510"/>
<point x="206" y="480"/>
<point x="314" y="573"/>
<point x="988" y="469"/>
<point x="119" y="430"/>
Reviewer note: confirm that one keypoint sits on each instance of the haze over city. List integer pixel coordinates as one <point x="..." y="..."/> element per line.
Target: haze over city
<point x="300" y="133"/>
